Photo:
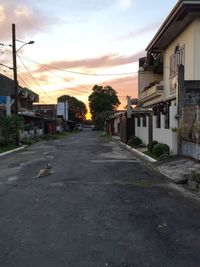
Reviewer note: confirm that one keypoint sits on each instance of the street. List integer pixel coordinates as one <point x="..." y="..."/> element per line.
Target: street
<point x="102" y="207"/>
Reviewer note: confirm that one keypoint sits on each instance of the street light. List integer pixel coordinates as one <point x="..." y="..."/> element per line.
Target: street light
<point x="24" y="43"/>
<point x="14" y="53"/>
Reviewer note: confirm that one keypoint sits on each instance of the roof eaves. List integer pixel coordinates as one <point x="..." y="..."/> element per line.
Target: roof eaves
<point x="170" y="18"/>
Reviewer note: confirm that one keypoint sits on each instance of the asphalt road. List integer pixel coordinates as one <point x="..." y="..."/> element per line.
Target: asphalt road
<point x="102" y="207"/>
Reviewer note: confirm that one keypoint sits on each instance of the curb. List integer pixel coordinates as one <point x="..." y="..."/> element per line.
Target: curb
<point x="11" y="151"/>
<point x="140" y="154"/>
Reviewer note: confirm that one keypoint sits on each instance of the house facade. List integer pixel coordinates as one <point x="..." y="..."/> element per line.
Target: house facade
<point x="172" y="60"/>
<point x="33" y="126"/>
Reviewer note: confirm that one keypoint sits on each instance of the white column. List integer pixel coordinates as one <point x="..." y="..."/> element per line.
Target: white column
<point x="8" y="106"/>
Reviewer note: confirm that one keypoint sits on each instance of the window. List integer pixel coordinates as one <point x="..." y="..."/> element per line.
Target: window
<point x="138" y="122"/>
<point x="158" y="121"/>
<point x="178" y="58"/>
<point x="144" y="121"/>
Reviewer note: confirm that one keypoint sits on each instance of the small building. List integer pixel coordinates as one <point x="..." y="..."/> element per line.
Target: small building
<point x="48" y="112"/>
<point x="113" y="123"/>
<point x="32" y="126"/>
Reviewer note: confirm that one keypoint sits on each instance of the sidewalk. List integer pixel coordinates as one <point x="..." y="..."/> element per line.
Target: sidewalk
<point x="176" y="168"/>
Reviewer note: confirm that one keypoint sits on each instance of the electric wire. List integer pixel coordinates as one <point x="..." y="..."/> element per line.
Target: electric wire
<point x="22" y="80"/>
<point x="65" y="79"/>
<point x="76" y="72"/>
<point x="37" y="83"/>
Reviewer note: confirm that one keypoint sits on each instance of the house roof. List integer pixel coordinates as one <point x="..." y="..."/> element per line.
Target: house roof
<point x="6" y="86"/>
<point x="7" y="89"/>
<point x="139" y="110"/>
<point x="184" y="12"/>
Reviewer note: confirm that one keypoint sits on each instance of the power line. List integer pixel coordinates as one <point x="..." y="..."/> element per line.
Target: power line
<point x="66" y="79"/>
<point x="35" y="79"/>
<point x="24" y="74"/>
<point x="22" y="80"/>
<point x="80" y="73"/>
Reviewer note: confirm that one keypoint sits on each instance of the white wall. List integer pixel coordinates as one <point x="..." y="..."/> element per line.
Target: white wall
<point x="63" y="109"/>
<point x="142" y="132"/>
<point x="167" y="136"/>
<point x="186" y="38"/>
<point x="197" y="49"/>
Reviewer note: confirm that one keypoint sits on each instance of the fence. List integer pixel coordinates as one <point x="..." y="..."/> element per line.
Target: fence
<point x="189" y="130"/>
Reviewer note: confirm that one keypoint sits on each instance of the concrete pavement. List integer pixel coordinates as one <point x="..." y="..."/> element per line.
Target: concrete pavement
<point x="102" y="207"/>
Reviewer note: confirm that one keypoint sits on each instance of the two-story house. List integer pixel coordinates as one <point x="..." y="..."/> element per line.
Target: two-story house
<point x="172" y="61"/>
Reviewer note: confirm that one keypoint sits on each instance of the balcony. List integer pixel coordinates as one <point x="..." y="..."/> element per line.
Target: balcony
<point x="152" y="92"/>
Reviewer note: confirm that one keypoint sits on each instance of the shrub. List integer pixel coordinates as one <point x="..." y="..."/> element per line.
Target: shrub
<point x="134" y="141"/>
<point x="151" y="145"/>
<point x="196" y="177"/>
<point x="10" y="128"/>
<point x="2" y="142"/>
<point x="27" y="141"/>
<point x="161" y="150"/>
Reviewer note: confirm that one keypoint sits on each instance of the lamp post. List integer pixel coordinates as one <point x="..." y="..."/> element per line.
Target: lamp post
<point x="14" y="54"/>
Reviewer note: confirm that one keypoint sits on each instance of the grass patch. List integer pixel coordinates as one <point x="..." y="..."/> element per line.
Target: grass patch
<point x="30" y="141"/>
<point x="48" y="137"/>
<point x="105" y="135"/>
<point x="141" y="183"/>
<point x="7" y="148"/>
<point x="150" y="155"/>
<point x="154" y="157"/>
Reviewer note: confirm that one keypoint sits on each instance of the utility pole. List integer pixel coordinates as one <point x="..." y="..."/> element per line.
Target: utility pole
<point x="15" y="81"/>
<point x="15" y="68"/>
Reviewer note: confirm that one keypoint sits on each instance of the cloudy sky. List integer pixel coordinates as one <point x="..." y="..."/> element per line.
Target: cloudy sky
<point x="79" y="43"/>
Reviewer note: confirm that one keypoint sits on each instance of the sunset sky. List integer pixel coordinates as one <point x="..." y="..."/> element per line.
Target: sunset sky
<point x="87" y="40"/>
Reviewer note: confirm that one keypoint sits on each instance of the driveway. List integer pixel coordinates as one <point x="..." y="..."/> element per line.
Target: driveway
<point x="102" y="207"/>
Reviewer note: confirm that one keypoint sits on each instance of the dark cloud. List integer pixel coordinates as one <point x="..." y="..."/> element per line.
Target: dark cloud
<point x="27" y="17"/>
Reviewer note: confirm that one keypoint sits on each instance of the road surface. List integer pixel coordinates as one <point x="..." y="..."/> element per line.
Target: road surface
<point x="102" y="207"/>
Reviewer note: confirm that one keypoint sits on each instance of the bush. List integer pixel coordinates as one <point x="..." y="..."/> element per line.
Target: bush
<point x="161" y="150"/>
<point x="27" y="141"/>
<point x="3" y="143"/>
<point x="196" y="177"/>
<point x="151" y="145"/>
<point x="10" y="129"/>
<point x="134" y="141"/>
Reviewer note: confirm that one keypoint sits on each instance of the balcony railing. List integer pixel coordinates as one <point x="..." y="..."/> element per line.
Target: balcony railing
<point x="155" y="90"/>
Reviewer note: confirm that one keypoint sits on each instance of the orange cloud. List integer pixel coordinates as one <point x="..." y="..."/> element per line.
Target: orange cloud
<point x="99" y="62"/>
<point x="124" y="86"/>
<point x="139" y="32"/>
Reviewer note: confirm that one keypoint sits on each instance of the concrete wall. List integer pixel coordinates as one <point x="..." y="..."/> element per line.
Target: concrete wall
<point x="197" y="49"/>
<point x="145" y="78"/>
<point x="191" y="150"/>
<point x="116" y="122"/>
<point x="142" y="132"/>
<point x="31" y="133"/>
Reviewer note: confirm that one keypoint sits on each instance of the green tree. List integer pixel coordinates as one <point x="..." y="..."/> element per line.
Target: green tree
<point x="103" y="101"/>
<point x="77" y="109"/>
